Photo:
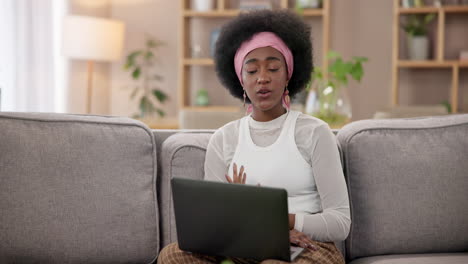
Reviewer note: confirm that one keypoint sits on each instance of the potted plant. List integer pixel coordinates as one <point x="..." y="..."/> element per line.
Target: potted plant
<point x="141" y="64"/>
<point x="416" y="30"/>
<point x="327" y="97"/>
<point x="202" y="98"/>
<point x="308" y="3"/>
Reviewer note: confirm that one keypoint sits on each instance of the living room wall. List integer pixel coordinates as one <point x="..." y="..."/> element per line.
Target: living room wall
<point x="359" y="28"/>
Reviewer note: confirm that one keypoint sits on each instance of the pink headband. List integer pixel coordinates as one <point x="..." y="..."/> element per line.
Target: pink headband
<point x="260" y="40"/>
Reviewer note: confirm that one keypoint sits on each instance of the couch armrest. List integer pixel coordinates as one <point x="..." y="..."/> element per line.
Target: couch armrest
<point x="182" y="156"/>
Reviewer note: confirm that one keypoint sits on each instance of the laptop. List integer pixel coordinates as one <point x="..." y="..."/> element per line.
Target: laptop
<point x="232" y="220"/>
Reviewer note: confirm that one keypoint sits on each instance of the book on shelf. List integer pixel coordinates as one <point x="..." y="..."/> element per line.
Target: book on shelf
<point x="248" y="5"/>
<point x="464" y="55"/>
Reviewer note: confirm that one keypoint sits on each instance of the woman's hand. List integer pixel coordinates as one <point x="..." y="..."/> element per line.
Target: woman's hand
<point x="292" y="221"/>
<point x="237" y="177"/>
<point x="300" y="239"/>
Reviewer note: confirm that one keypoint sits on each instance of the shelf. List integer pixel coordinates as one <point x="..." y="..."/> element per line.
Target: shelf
<point x="225" y="11"/>
<point x="418" y="10"/>
<point x="463" y="64"/>
<point x="312" y="12"/>
<point x="433" y="9"/>
<point x="165" y="123"/>
<point x="456" y="9"/>
<point x="213" y="108"/>
<point x="235" y="12"/>
<point x="214" y="13"/>
<point x="431" y="64"/>
<point x="200" y="61"/>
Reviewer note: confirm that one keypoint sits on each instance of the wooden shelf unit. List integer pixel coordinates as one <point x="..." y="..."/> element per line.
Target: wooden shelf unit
<point x="186" y="62"/>
<point x="439" y="61"/>
<point x="433" y="9"/>
<point x="432" y="64"/>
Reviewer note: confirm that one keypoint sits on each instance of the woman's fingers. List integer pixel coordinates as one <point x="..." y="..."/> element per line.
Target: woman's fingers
<point x="238" y="177"/>
<point x="241" y="174"/>
<point x="302" y="240"/>
<point x="305" y="244"/>
<point x="228" y="178"/>
<point x="234" y="173"/>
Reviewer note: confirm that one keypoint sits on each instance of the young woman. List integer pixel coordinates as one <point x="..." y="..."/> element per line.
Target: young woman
<point x="262" y="58"/>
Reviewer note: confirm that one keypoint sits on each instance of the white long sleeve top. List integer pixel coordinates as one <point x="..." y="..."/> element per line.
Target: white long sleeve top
<point x="317" y="145"/>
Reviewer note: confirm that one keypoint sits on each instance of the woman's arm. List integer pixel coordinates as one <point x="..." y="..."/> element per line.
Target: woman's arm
<point x="215" y="166"/>
<point x="333" y="223"/>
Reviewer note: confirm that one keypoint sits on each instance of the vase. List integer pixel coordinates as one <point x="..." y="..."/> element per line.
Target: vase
<point x="418" y="47"/>
<point x="202" y="5"/>
<point x="330" y="104"/>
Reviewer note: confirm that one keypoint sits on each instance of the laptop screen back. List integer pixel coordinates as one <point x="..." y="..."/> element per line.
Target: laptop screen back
<point x="231" y="220"/>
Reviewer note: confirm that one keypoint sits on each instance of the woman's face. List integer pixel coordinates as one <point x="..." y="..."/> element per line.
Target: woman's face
<point x="264" y="74"/>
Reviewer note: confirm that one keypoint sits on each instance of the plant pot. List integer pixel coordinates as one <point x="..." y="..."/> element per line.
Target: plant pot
<point x="202" y="5"/>
<point x="418" y="47"/>
<point x="331" y="104"/>
<point x="202" y="98"/>
<point x="308" y="3"/>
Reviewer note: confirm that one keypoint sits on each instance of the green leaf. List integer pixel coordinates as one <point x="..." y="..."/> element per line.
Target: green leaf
<point x="149" y="55"/>
<point x="317" y="74"/>
<point x="416" y="24"/>
<point x="360" y="59"/>
<point x="136" y="73"/>
<point x="428" y="18"/>
<point x="448" y="106"/>
<point x="131" y="58"/>
<point x="332" y="55"/>
<point x="299" y="9"/>
<point x="160" y="112"/>
<point x="151" y="43"/>
<point x="160" y="95"/>
<point x="128" y="65"/>
<point x="339" y="70"/>
<point x="146" y="106"/>
<point x="134" y="92"/>
<point x="357" y="72"/>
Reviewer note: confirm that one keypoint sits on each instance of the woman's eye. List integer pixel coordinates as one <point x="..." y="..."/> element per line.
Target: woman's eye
<point x="252" y="72"/>
<point x="274" y="70"/>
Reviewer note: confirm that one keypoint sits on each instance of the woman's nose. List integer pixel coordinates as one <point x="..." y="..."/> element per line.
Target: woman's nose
<point x="263" y="77"/>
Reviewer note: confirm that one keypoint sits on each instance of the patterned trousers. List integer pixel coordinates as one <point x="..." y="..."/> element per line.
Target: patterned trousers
<point x="326" y="253"/>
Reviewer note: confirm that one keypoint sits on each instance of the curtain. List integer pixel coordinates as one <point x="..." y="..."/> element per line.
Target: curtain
<point x="32" y="69"/>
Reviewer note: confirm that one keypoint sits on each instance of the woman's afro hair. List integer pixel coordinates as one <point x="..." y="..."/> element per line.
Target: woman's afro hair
<point x="285" y="24"/>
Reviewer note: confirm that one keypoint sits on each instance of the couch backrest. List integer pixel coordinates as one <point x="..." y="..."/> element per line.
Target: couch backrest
<point x="77" y="189"/>
<point x="408" y="185"/>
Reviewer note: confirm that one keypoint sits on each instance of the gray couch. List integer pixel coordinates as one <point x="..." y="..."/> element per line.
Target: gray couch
<point x="93" y="189"/>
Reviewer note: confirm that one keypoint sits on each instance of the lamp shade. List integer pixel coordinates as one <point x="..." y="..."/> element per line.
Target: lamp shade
<point x="92" y="38"/>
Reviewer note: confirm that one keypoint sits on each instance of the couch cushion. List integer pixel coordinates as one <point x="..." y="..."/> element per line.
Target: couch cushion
<point x="408" y="185"/>
<point x="449" y="258"/>
<point x="76" y="189"/>
<point x="182" y="156"/>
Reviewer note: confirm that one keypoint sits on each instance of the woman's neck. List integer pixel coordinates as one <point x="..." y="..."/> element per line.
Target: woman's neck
<point x="265" y="116"/>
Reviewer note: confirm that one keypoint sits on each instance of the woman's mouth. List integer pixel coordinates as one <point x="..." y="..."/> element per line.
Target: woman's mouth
<point x="263" y="93"/>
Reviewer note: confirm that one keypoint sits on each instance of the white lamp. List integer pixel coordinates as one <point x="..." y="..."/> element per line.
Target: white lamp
<point x="92" y="39"/>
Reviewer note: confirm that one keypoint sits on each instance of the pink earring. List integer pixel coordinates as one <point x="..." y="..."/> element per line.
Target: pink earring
<point x="249" y="108"/>
<point x="286" y="100"/>
<point x="244" y="98"/>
